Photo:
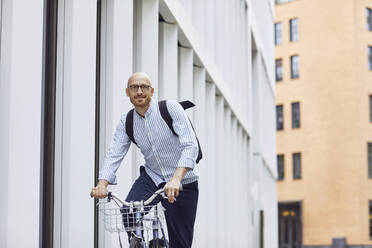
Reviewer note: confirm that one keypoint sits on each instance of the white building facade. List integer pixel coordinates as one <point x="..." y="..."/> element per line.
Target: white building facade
<point x="63" y="73"/>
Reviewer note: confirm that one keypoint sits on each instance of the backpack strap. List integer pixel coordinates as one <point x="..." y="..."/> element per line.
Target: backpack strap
<point x="166" y="116"/>
<point x="168" y="119"/>
<point x="129" y="125"/>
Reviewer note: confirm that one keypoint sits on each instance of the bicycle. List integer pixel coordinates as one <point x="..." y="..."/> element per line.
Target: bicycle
<point x="141" y="220"/>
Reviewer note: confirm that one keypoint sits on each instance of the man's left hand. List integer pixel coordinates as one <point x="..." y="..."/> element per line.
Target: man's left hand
<point x="172" y="189"/>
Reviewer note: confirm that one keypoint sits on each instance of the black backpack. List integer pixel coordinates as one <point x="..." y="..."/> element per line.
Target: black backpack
<point x="167" y="118"/>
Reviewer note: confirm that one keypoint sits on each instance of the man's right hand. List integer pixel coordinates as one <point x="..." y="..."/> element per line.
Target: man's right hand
<point x="100" y="191"/>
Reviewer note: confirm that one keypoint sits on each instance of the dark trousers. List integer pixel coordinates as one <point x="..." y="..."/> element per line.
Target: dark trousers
<point x="180" y="215"/>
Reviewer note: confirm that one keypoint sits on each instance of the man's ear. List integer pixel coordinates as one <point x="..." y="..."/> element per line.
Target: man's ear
<point x="152" y="91"/>
<point x="127" y="92"/>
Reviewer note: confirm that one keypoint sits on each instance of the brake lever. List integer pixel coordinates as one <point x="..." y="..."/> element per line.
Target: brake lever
<point x="166" y="197"/>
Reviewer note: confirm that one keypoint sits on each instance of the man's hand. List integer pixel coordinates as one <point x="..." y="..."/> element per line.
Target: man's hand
<point x="172" y="189"/>
<point x="100" y="191"/>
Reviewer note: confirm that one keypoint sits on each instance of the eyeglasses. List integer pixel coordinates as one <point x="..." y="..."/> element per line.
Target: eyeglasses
<point x="135" y="87"/>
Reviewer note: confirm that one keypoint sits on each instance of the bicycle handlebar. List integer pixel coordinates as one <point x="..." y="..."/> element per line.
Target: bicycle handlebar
<point x="111" y="195"/>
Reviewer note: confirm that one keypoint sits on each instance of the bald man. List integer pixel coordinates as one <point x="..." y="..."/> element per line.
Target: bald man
<point x="169" y="159"/>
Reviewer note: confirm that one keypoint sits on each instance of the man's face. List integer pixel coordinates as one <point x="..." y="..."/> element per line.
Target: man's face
<point x="139" y="91"/>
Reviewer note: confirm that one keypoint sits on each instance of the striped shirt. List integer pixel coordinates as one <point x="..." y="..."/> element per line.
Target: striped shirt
<point x="163" y="151"/>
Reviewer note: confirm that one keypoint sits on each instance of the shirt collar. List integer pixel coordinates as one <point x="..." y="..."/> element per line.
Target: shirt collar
<point x="150" y="109"/>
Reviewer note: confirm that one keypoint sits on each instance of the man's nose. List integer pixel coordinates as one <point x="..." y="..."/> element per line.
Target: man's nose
<point x="139" y="91"/>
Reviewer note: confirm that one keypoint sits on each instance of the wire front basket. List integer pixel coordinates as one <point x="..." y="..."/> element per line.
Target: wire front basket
<point x="118" y="218"/>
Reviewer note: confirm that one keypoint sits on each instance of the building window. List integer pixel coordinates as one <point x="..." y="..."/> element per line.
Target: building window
<point x="295" y="66"/>
<point x="369" y="148"/>
<point x="369" y="19"/>
<point x="295" y="115"/>
<point x="278" y="70"/>
<point x="280" y="159"/>
<point x="297" y="165"/>
<point x="370" y="108"/>
<point x="293" y="26"/>
<point x="370" y="57"/>
<point x="278" y="33"/>
<point x="370" y="219"/>
<point x="279" y="117"/>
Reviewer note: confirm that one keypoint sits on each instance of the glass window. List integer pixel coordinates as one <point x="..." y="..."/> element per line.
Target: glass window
<point x="278" y="70"/>
<point x="295" y="66"/>
<point x="280" y="162"/>
<point x="297" y="165"/>
<point x="295" y="115"/>
<point x="278" y="33"/>
<point x="369" y="19"/>
<point x="369" y="148"/>
<point x="370" y="219"/>
<point x="279" y="117"/>
<point x="370" y="108"/>
<point x="293" y="26"/>
<point x="370" y="57"/>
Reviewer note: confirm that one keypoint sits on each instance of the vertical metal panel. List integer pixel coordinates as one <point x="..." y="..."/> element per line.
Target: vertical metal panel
<point x="168" y="52"/>
<point x="145" y="53"/>
<point x="241" y="180"/>
<point x="226" y="41"/>
<point x="209" y="27"/>
<point x="240" y="53"/>
<point x="1" y="18"/>
<point x="97" y="117"/>
<point x="198" y="20"/>
<point x="5" y="108"/>
<point x="256" y="116"/>
<point x="59" y="127"/>
<point x="185" y="77"/>
<point x="249" y="71"/>
<point x="79" y="97"/>
<point x="48" y="124"/>
<point x="21" y="118"/>
<point x="200" y="127"/>
<point x="234" y="171"/>
<point x="185" y="74"/>
<point x="218" y="37"/>
<point x="210" y="179"/>
<point x="116" y="48"/>
<point x="227" y="172"/>
<point x="146" y="38"/>
<point x="230" y="75"/>
<point x="220" y="176"/>
<point x="246" y="181"/>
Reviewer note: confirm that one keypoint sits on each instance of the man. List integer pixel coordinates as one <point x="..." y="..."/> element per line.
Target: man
<point x="168" y="159"/>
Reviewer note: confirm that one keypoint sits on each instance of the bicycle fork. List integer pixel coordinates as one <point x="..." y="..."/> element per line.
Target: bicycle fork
<point x="155" y="224"/>
<point x="139" y="228"/>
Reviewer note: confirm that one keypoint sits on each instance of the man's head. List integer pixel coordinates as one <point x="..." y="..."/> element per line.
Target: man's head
<point x="139" y="89"/>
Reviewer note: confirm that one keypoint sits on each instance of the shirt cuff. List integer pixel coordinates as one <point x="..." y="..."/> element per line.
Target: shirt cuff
<point x="187" y="163"/>
<point x="112" y="180"/>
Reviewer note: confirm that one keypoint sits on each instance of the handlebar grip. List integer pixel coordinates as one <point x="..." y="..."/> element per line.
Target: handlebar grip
<point x="107" y="195"/>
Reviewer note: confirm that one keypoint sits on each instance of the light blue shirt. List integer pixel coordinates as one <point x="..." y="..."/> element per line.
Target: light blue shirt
<point x="163" y="151"/>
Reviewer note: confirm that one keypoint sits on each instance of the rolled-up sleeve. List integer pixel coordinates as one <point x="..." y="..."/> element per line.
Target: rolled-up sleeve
<point x="186" y="135"/>
<point x="114" y="156"/>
